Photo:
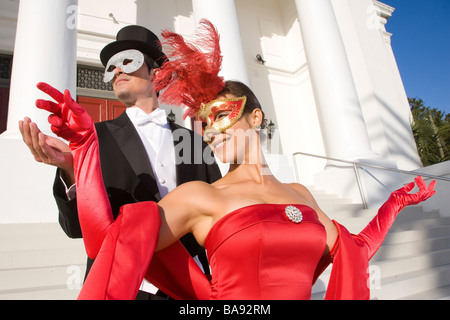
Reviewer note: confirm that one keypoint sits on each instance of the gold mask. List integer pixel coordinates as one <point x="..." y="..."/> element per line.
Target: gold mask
<point x="208" y="112"/>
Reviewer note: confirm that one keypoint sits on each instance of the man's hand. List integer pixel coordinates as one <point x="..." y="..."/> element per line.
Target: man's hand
<point x="48" y="150"/>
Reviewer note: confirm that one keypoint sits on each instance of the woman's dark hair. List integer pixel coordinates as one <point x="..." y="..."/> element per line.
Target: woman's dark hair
<point x="239" y="89"/>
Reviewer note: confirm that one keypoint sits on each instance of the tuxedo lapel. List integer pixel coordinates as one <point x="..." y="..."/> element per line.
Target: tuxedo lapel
<point x="129" y="141"/>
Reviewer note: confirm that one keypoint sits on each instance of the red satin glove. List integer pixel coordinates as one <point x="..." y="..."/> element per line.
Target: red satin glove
<point x="71" y="122"/>
<point x="68" y="119"/>
<point x="375" y="232"/>
<point x="351" y="254"/>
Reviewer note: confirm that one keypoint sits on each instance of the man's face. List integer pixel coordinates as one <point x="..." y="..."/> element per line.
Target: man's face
<point x="130" y="77"/>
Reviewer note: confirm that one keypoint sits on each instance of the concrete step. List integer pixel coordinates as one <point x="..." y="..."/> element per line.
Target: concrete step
<point x="396" y="267"/>
<point x="38" y="245"/>
<point x="440" y="293"/>
<point x="46" y="283"/>
<point x="20" y="279"/>
<point x="415" y="235"/>
<point x="45" y="293"/>
<point x="418" y="284"/>
<point x="412" y="283"/>
<point x="41" y="258"/>
<point x="35" y="236"/>
<point x="38" y="261"/>
<point x="408" y="249"/>
<point x="410" y="262"/>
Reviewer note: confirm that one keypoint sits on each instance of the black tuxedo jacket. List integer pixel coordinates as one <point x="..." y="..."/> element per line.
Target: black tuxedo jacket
<point x="128" y="174"/>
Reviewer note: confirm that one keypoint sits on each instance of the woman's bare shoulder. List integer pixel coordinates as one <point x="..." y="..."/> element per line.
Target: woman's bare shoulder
<point x="184" y="208"/>
<point x="195" y="185"/>
<point x="191" y="193"/>
<point x="303" y="192"/>
<point x="297" y="186"/>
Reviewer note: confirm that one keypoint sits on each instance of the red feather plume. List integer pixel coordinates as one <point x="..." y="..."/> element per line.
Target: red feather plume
<point x="191" y="75"/>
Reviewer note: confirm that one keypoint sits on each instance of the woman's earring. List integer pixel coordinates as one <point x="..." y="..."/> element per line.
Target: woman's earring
<point x="258" y="128"/>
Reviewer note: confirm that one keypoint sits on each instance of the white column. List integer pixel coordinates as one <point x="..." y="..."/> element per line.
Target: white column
<point x="338" y="107"/>
<point x="45" y="50"/>
<point x="339" y="110"/>
<point x="222" y="13"/>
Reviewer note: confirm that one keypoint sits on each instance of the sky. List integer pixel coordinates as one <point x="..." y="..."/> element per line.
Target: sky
<point x="421" y="44"/>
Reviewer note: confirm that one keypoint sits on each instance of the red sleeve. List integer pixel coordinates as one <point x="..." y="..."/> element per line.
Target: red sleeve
<point x="125" y="254"/>
<point x="175" y="273"/>
<point x="349" y="275"/>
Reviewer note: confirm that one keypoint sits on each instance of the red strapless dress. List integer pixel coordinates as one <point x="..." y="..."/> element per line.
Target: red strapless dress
<point x="257" y="252"/>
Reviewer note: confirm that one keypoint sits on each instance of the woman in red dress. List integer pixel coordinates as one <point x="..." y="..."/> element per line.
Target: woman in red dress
<point x="264" y="239"/>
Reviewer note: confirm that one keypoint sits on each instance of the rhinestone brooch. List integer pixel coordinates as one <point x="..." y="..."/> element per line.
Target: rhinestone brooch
<point x="293" y="214"/>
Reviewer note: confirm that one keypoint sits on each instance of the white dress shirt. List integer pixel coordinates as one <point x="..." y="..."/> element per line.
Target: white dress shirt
<point x="156" y="136"/>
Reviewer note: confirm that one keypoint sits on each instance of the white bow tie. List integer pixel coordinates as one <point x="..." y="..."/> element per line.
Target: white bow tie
<point x="158" y="117"/>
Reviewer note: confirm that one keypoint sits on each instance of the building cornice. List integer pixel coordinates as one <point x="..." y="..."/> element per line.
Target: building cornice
<point x="383" y="10"/>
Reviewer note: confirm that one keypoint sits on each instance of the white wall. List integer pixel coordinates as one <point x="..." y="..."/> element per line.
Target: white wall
<point x="282" y="85"/>
<point x="377" y="79"/>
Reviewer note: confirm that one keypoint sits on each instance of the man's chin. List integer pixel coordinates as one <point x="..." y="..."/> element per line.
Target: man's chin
<point x="123" y="96"/>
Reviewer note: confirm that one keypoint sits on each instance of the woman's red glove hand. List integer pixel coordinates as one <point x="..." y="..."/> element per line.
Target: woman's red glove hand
<point x="375" y="232"/>
<point x="68" y="119"/>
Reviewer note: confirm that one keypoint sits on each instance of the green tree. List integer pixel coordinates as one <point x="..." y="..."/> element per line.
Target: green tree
<point x="431" y="129"/>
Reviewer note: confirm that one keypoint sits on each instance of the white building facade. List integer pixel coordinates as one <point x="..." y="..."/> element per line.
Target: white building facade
<point x="328" y="81"/>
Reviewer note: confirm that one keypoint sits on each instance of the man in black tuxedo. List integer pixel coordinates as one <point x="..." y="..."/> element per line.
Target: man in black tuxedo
<point x="143" y="156"/>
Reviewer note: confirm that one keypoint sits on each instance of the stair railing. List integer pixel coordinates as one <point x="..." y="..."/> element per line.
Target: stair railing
<point x="357" y="165"/>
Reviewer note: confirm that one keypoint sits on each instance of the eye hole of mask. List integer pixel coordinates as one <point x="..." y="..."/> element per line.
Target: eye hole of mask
<point x="111" y="68"/>
<point x="125" y="62"/>
<point x="221" y="115"/>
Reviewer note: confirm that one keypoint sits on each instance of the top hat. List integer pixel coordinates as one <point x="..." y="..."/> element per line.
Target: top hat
<point x="134" y="37"/>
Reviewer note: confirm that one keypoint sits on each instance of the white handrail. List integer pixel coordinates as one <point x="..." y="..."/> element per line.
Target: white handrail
<point x="356" y="166"/>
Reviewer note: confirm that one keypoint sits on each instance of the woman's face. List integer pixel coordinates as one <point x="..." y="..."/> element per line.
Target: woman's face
<point x="229" y="134"/>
